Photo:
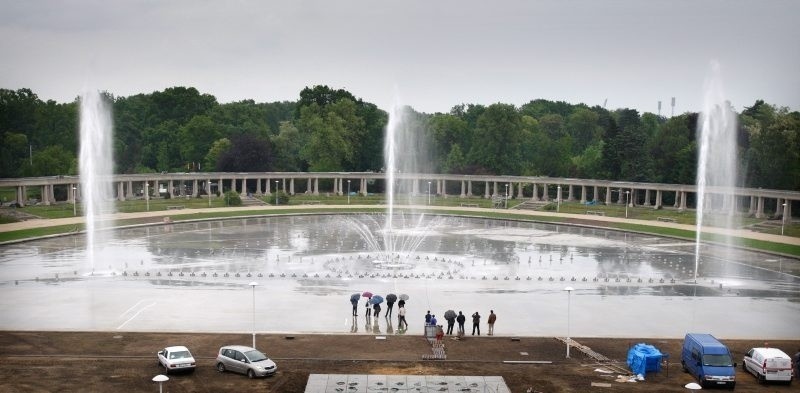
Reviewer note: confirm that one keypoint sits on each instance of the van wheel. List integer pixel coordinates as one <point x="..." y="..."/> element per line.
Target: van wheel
<point x="683" y="366"/>
<point x="220" y="367"/>
<point x="762" y="379"/>
<point x="251" y="374"/>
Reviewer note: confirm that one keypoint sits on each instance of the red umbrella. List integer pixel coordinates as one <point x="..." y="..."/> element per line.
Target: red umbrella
<point x="367" y="294"/>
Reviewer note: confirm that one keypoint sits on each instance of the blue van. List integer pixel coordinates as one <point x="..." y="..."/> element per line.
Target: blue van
<point x="708" y="360"/>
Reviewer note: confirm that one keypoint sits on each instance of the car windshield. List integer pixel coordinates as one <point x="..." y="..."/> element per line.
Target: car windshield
<point x="179" y="355"/>
<point x="255" y="356"/>
<point x="717" y="360"/>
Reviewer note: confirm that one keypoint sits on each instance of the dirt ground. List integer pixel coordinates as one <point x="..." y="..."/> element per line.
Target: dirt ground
<point x="126" y="362"/>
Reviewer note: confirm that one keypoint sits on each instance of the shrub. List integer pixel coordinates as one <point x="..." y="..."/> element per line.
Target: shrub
<point x="232" y="199"/>
<point x="283" y="198"/>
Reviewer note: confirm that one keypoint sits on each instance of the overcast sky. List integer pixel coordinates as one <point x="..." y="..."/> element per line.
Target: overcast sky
<point x="431" y="54"/>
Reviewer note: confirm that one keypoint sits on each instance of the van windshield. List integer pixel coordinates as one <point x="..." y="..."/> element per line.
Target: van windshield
<point x="717" y="360"/>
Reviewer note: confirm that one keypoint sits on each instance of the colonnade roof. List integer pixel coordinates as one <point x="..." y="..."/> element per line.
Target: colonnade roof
<point x="540" y="180"/>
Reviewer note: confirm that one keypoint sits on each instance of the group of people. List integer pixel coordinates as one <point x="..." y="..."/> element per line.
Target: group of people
<point x="374" y="309"/>
<point x="430" y="320"/>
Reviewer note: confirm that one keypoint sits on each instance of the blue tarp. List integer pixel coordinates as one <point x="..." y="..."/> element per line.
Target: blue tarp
<point x="644" y="358"/>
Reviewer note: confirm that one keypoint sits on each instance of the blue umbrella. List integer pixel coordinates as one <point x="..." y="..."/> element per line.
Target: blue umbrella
<point x="376" y="299"/>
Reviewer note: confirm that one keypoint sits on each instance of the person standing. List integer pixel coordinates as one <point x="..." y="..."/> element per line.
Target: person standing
<point x="377" y="310"/>
<point x="451" y="321"/>
<point x="461" y="318"/>
<point x="354" y="302"/>
<point x="476" y="323"/>
<point x="401" y="318"/>
<point x="389" y="305"/>
<point x="433" y="320"/>
<point x="368" y="306"/>
<point x="428" y="318"/>
<point x="401" y="303"/>
<point x="490" y="320"/>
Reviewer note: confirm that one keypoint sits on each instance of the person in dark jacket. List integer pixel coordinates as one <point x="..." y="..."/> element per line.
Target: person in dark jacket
<point x="492" y="318"/>
<point x="451" y="321"/>
<point x="354" y="302"/>
<point x="389" y="305"/>
<point x="461" y="318"/>
<point x="428" y="318"/>
<point x="476" y="323"/>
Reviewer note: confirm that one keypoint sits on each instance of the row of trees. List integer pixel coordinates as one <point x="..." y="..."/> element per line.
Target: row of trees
<point x="181" y="129"/>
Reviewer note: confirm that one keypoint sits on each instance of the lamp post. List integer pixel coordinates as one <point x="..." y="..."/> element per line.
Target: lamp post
<point x="160" y="379"/>
<point x="348" y="191"/>
<point x="147" y="194"/>
<point x="506" y="201"/>
<point x="253" y="285"/>
<point x="627" y="195"/>
<point x="569" y="293"/>
<point x="276" y="193"/>
<point x="783" y="217"/>
<point x="75" y="202"/>
<point x="209" y="193"/>
<point x="558" y="200"/>
<point x="429" y="193"/>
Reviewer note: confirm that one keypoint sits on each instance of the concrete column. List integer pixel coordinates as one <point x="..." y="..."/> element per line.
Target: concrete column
<point x="519" y="191"/>
<point x="130" y="194"/>
<point x="70" y="193"/>
<point x="510" y="190"/>
<point x="364" y="186"/>
<point x="571" y="195"/>
<point x="760" y="207"/>
<point x="594" y="194"/>
<point x="22" y="195"/>
<point x="683" y="200"/>
<point x="494" y="190"/>
<point x="316" y="186"/>
<point x="291" y="186"/>
<point x="486" y="192"/>
<point x="632" y="197"/>
<point x="469" y="188"/>
<point x="545" y="196"/>
<point x="208" y="187"/>
<point x="463" y="189"/>
<point x="45" y="195"/>
<point x="444" y="189"/>
<point x="258" y="187"/>
<point x="752" y="208"/>
<point x="120" y="191"/>
<point x="608" y="195"/>
<point x="646" y="197"/>
<point x="268" y="188"/>
<point x="659" y="199"/>
<point x="194" y="189"/>
<point x="677" y="199"/>
<point x="583" y="194"/>
<point x="535" y="196"/>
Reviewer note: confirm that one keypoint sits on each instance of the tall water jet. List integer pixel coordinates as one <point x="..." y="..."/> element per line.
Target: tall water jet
<point x="717" y="163"/>
<point x="96" y="133"/>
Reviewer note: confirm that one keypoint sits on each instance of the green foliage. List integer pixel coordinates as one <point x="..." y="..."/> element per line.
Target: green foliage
<point x="281" y="197"/>
<point x="232" y="198"/>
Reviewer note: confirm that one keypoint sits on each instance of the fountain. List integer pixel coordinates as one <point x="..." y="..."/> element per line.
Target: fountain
<point x="716" y="164"/>
<point x="95" y="169"/>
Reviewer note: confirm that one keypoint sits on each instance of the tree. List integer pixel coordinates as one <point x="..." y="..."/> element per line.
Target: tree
<point x="583" y="126"/>
<point x="247" y="153"/>
<point x="196" y="137"/>
<point x="287" y="146"/>
<point x="218" y="148"/>
<point x="13" y="154"/>
<point x="497" y="140"/>
<point x="331" y="135"/>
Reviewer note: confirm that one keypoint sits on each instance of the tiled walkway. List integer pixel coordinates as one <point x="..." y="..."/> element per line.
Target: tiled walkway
<point x="360" y="383"/>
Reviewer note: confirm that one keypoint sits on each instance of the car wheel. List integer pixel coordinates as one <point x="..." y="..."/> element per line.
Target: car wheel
<point x="251" y="374"/>
<point x="220" y="367"/>
<point x="166" y="370"/>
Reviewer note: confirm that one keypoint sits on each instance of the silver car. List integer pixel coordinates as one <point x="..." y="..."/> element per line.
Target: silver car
<point x="245" y="360"/>
<point x="177" y="358"/>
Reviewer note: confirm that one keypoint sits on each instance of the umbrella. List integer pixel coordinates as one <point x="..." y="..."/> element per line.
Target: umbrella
<point x="449" y="314"/>
<point x="367" y="294"/>
<point x="354" y="297"/>
<point x="391" y="298"/>
<point x="376" y="299"/>
<point x="404" y="297"/>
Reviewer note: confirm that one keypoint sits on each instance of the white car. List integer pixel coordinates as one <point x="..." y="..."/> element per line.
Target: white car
<point x="177" y="358"/>
<point x="768" y="364"/>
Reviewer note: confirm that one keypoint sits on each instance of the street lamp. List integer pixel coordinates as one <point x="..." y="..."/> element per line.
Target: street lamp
<point x="74" y="201"/>
<point x="160" y="379"/>
<point x="253" y="284"/>
<point x="429" y="193"/>
<point x="276" y="193"/>
<point x="783" y="217"/>
<point x="627" y="195"/>
<point x="558" y="200"/>
<point x="209" y="193"/>
<point x="348" y="191"/>
<point x="506" y="202"/>
<point x="569" y="293"/>
<point x="147" y="194"/>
